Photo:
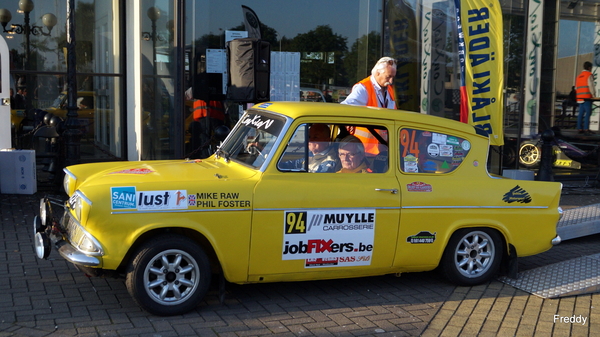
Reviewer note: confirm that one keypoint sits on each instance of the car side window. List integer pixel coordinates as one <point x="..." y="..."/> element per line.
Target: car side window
<point x="341" y="148"/>
<point x="295" y="154"/>
<point x="423" y="151"/>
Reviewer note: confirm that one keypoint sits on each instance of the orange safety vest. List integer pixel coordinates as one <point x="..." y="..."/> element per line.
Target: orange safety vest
<point x="372" y="99"/>
<point x="371" y="143"/>
<point x="213" y="109"/>
<point x="581" y="86"/>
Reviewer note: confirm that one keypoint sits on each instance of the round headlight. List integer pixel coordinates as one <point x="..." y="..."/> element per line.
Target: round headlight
<point x="69" y="182"/>
<point x="37" y="225"/>
<point x="41" y="245"/>
<point x="44" y="211"/>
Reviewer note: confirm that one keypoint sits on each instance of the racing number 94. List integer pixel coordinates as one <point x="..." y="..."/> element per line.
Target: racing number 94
<point x="295" y="222"/>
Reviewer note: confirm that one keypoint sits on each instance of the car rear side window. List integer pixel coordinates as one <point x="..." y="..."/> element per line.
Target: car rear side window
<point x="423" y="151"/>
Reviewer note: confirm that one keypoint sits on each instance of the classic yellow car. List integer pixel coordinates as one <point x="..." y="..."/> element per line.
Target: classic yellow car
<point x="275" y="203"/>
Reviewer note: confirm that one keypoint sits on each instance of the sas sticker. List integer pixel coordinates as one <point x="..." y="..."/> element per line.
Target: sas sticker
<point x="422" y="237"/>
<point x="517" y="194"/>
<point x="419" y="186"/>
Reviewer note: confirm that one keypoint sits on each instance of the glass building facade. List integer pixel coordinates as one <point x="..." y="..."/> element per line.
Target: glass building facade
<point x="138" y="60"/>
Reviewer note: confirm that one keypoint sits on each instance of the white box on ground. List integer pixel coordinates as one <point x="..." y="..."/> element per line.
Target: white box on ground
<point x="17" y="172"/>
<point x="519" y="174"/>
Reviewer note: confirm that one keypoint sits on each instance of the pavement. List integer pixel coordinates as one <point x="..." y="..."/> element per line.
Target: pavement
<point x="52" y="298"/>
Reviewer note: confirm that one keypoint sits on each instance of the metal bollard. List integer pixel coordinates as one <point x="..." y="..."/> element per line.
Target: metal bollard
<point x="545" y="171"/>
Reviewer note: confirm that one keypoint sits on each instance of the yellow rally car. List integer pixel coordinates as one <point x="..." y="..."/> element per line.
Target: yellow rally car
<point x="267" y="207"/>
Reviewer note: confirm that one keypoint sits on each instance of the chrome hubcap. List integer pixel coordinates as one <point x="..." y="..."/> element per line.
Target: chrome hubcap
<point x="474" y="254"/>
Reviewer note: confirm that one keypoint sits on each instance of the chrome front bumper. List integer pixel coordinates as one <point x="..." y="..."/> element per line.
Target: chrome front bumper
<point x="74" y="256"/>
<point x="557" y="240"/>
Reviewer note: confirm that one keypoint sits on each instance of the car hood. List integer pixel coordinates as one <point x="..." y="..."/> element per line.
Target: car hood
<point x="174" y="172"/>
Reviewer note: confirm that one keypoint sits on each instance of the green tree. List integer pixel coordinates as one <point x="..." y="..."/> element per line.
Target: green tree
<point x="363" y="54"/>
<point x="322" y="52"/>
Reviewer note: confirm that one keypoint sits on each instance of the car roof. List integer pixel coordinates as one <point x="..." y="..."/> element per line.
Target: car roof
<point x="304" y="109"/>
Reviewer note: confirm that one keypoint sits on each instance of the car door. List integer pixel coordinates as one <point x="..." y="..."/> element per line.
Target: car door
<point x="309" y="225"/>
<point x="436" y="167"/>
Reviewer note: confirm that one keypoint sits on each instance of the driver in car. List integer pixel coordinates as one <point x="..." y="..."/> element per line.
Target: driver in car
<point x="352" y="155"/>
<point x="322" y="157"/>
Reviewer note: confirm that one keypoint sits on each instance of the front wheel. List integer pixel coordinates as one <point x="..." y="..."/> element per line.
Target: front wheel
<point x="473" y="256"/>
<point x="169" y="275"/>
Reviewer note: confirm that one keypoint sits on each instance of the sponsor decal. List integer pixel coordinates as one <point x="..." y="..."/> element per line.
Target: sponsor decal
<point x="191" y="200"/>
<point x="421" y="237"/>
<point x="329" y="238"/>
<point x="335" y="261"/>
<point x="439" y="138"/>
<point x="258" y="122"/>
<point x="321" y="262"/>
<point x="133" y="171"/>
<point x="264" y="105"/>
<point x="429" y="167"/>
<point x="161" y="200"/>
<point x="466" y="145"/>
<point x="123" y="198"/>
<point x="517" y="194"/>
<point x="433" y="150"/>
<point x="419" y="186"/>
<point x="452" y="140"/>
<point x="446" y="150"/>
<point x="220" y="200"/>
<point x="411" y="164"/>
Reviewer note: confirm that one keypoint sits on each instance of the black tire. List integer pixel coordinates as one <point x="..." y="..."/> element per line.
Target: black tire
<point x="530" y="154"/>
<point x="171" y="290"/>
<point x="472" y="256"/>
<point x="509" y="155"/>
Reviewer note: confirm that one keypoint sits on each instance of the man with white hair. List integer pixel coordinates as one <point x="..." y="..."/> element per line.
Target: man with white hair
<point x="376" y="90"/>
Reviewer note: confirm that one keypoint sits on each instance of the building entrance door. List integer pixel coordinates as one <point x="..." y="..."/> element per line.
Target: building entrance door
<point x="5" y="138"/>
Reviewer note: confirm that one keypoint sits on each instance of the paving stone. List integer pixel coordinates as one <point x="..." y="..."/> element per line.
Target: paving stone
<point x="45" y="294"/>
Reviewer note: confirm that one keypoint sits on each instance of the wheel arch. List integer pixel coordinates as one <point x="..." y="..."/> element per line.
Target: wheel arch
<point x="196" y="236"/>
<point x="508" y="253"/>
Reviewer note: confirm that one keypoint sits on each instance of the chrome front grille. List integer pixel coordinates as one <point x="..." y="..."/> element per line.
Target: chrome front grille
<point x="73" y="230"/>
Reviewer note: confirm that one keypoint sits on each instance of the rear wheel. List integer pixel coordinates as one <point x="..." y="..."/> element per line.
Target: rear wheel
<point x="473" y="256"/>
<point x="169" y="275"/>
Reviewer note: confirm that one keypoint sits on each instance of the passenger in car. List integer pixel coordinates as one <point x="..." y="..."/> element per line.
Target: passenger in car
<point x="352" y="155"/>
<point x="322" y="157"/>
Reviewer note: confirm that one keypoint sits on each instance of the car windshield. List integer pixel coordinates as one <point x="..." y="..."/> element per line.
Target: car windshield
<point x="253" y="139"/>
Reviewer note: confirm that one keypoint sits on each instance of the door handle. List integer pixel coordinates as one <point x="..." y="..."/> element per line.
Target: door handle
<point x="391" y="190"/>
